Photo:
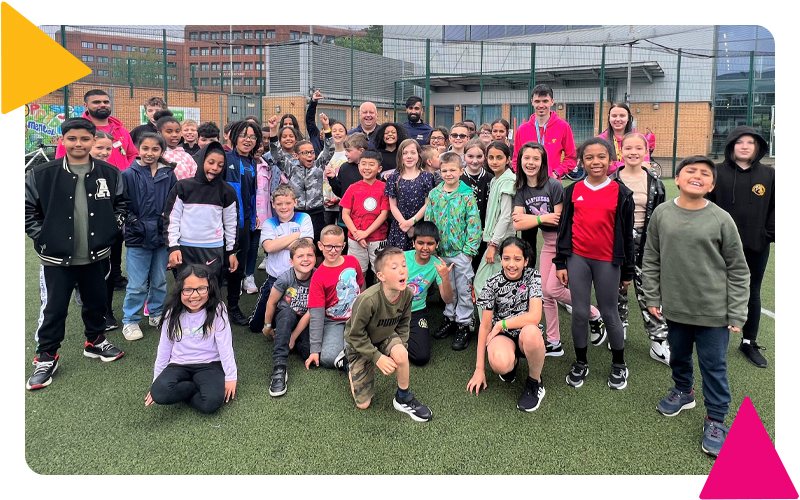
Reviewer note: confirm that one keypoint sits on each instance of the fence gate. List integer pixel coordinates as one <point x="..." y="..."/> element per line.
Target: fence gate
<point x="240" y="106"/>
<point x="581" y="119"/>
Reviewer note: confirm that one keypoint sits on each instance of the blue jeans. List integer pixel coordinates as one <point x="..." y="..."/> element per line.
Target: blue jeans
<point x="712" y="348"/>
<point x="141" y="264"/>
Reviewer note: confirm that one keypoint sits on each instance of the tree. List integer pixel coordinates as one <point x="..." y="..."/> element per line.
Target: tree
<point x="371" y="41"/>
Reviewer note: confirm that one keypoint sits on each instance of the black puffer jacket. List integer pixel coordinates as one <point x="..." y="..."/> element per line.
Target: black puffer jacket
<point x="656" y="194"/>
<point x="748" y="195"/>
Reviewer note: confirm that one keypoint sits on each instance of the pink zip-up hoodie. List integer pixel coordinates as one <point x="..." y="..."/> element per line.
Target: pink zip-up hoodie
<point x="123" y="151"/>
<point x="557" y="138"/>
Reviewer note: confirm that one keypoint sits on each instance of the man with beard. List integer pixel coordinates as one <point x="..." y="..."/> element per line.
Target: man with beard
<point x="123" y="152"/>
<point x="416" y="128"/>
<point x="368" y="118"/>
<point x="98" y="111"/>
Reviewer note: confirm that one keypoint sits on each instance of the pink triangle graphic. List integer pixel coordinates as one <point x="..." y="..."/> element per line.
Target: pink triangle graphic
<point x="746" y="455"/>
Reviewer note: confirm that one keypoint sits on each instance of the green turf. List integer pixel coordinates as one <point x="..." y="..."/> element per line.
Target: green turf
<point x="94" y="413"/>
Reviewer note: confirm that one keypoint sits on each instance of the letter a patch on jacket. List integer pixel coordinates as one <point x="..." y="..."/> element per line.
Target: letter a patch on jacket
<point x="102" y="190"/>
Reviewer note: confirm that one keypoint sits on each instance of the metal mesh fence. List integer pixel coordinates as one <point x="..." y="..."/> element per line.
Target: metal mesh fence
<point x="688" y="88"/>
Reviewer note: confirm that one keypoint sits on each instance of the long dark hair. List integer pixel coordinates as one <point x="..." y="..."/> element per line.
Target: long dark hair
<point x="445" y="133"/>
<point x="402" y="135"/>
<point x="295" y="125"/>
<point x="544" y="172"/>
<point x="527" y="250"/>
<point x="628" y="126"/>
<point x="241" y="127"/>
<point x="174" y="308"/>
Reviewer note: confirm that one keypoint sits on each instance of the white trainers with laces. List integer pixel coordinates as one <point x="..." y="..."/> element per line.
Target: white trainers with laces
<point x="660" y="351"/>
<point x="250" y="285"/>
<point x="131" y="331"/>
<point x="155" y="320"/>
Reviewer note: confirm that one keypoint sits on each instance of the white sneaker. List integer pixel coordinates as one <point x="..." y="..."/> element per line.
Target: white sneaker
<point x="263" y="265"/>
<point x="131" y="331"/>
<point x="250" y="285"/>
<point x="154" y="321"/>
<point x="660" y="351"/>
<point x="566" y="307"/>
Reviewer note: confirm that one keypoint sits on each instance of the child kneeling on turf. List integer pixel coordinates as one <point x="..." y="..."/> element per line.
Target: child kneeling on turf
<point x="289" y="297"/>
<point x="511" y="302"/>
<point x="377" y="334"/>
<point x="695" y="273"/>
<point x="195" y="360"/>
<point x="424" y="268"/>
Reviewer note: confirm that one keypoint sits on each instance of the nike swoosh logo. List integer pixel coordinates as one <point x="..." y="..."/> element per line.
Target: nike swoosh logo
<point x="209" y="262"/>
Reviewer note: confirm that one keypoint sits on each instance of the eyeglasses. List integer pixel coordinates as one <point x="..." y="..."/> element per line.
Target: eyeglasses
<point x="485" y="132"/>
<point x="437" y="139"/>
<point x="188" y="292"/>
<point x="251" y="137"/>
<point x="306" y="153"/>
<point x="331" y="248"/>
<point x="459" y="136"/>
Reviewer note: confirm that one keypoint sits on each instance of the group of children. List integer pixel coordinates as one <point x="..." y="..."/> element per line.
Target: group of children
<point x="465" y="217"/>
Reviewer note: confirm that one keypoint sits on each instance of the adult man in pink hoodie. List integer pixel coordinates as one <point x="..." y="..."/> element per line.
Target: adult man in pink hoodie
<point x="546" y="128"/>
<point x="98" y="111"/>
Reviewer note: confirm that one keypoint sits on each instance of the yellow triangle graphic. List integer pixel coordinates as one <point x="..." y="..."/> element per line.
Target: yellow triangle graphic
<point x="33" y="64"/>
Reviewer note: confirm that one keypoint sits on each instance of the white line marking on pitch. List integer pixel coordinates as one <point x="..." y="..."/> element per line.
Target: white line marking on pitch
<point x="768" y="313"/>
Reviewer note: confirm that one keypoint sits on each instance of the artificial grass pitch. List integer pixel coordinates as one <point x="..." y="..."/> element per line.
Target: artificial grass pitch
<point x="94" y="412"/>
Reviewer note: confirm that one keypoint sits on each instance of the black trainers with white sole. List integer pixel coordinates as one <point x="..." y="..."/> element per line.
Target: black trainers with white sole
<point x="618" y="378"/>
<point x="278" y="381"/>
<point x="105" y="351"/>
<point x="413" y="408"/>
<point x="532" y="395"/>
<point x="598" y="331"/>
<point x="42" y="374"/>
<point x="553" y="350"/>
<point x="577" y="374"/>
<point x="512" y="375"/>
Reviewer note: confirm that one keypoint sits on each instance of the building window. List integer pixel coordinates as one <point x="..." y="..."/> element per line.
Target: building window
<point x="237" y="35"/>
<point x="193" y="67"/>
<point x="226" y="51"/>
<point x="259" y="35"/>
<point x="130" y="48"/>
<point x="294" y="35"/>
<point x="248" y="66"/>
<point x="171" y="64"/>
<point x="226" y="82"/>
<point x="226" y="66"/>
<point x="214" y="66"/>
<point x="116" y="47"/>
<point x="455" y="32"/>
<point x="193" y="51"/>
<point x="259" y="50"/>
<point x="116" y="60"/>
<point x="248" y="82"/>
<point x="116" y="74"/>
<point x="144" y="50"/>
<point x="87" y="58"/>
<point x="215" y="82"/>
<point x="258" y="66"/>
<point x="248" y="51"/>
<point x="160" y="52"/>
<point x="330" y="39"/>
<point x="87" y="45"/>
<point x="204" y="82"/>
<point x="304" y="36"/>
<point x="204" y="35"/>
<point x="226" y="35"/>
<point x="102" y="46"/>
<point x="172" y="52"/>
<point x="204" y="67"/>
<point x="237" y="82"/>
<point x="193" y="35"/>
<point x="237" y="51"/>
<point x="102" y="59"/>
<point x="318" y="38"/>
<point x="237" y="66"/>
<point x="214" y="51"/>
<point x="215" y="35"/>
<point x="271" y="34"/>
<point x="248" y="35"/>
<point x="101" y="72"/>
<point x="204" y="51"/>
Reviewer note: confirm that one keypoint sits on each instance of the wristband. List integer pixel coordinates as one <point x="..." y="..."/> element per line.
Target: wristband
<point x="493" y="244"/>
<point x="538" y="220"/>
<point x="504" y="324"/>
<point x="414" y="220"/>
<point x="267" y="325"/>
<point x="326" y="131"/>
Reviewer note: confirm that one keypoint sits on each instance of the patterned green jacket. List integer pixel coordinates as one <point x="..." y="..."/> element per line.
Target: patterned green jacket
<point x="456" y="215"/>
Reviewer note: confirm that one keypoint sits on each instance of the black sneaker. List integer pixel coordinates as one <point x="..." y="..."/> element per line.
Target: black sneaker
<point x="447" y="328"/>
<point x="555" y="350"/>
<point x="120" y="283"/>
<point x="751" y="352"/>
<point x="512" y="375"/>
<point x="237" y="317"/>
<point x="111" y="322"/>
<point x="531" y="397"/>
<point x="42" y="374"/>
<point x="277" y="387"/>
<point x="577" y="374"/>
<point x="461" y="340"/>
<point x="414" y="408"/>
<point x="340" y="363"/>
<point x="598" y="331"/>
<point x="105" y="350"/>
<point x="618" y="378"/>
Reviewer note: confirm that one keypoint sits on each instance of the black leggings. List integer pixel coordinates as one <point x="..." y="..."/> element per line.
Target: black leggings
<point x="757" y="263"/>
<point x="582" y="272"/>
<point x="201" y="386"/>
<point x="235" y="278"/>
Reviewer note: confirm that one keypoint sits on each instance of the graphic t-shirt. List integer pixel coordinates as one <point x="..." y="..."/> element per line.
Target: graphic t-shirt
<point x="366" y="201"/>
<point x="509" y="298"/>
<point x="294" y="290"/>
<point x="541" y="201"/>
<point x="336" y="288"/>
<point x="420" y="278"/>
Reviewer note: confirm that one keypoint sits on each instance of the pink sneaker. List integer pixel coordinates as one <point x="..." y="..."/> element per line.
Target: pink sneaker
<point x="146" y="312"/>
